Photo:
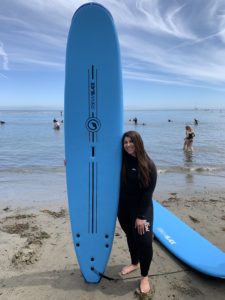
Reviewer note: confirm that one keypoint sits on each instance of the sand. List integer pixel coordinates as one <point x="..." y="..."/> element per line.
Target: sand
<point x="37" y="259"/>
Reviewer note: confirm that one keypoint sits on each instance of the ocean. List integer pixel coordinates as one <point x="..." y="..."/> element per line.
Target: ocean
<point x="32" y="152"/>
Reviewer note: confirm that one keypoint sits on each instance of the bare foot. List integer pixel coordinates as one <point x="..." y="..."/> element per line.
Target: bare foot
<point x="128" y="269"/>
<point x="144" y="285"/>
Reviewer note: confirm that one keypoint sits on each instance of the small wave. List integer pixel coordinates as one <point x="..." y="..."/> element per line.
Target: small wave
<point x="161" y="171"/>
<point x="186" y="169"/>
<point x="206" y="169"/>
<point x="32" y="169"/>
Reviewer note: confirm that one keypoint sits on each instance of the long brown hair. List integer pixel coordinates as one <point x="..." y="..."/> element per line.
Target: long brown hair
<point x="144" y="162"/>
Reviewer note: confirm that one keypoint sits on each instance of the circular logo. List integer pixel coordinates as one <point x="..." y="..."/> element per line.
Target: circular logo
<point x="93" y="124"/>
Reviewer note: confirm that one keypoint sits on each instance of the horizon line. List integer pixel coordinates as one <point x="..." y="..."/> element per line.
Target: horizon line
<point x="125" y="108"/>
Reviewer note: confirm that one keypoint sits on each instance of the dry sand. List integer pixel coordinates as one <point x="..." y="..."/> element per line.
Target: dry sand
<point x="37" y="259"/>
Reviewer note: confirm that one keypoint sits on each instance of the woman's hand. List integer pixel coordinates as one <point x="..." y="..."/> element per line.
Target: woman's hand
<point x="140" y="225"/>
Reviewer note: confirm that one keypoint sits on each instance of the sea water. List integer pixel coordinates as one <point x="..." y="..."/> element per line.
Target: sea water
<point x="32" y="153"/>
<point x="31" y="157"/>
<point x="163" y="132"/>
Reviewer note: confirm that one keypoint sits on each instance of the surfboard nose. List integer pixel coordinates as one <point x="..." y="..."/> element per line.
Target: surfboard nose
<point x="92" y="7"/>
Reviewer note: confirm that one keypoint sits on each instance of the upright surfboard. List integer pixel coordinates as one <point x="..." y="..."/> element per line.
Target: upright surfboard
<point x="93" y="131"/>
<point x="187" y="244"/>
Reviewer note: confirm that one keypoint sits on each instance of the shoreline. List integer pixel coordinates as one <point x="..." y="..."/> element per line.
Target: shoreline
<point x="38" y="260"/>
<point x="41" y="189"/>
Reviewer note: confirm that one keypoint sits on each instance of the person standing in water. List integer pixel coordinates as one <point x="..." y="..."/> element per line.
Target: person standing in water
<point x="135" y="121"/>
<point x="135" y="213"/>
<point x="195" y="121"/>
<point x="188" y="140"/>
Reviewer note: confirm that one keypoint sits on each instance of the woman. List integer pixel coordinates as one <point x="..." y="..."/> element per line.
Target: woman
<point x="188" y="140"/>
<point x="135" y="214"/>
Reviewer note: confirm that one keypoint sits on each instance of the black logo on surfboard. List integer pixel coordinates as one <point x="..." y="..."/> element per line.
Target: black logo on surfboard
<point x="93" y="124"/>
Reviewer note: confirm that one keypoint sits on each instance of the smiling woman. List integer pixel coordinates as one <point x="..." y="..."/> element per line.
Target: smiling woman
<point x="129" y="146"/>
<point x="135" y="214"/>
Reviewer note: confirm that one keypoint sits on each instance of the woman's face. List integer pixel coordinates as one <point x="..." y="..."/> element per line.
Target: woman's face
<point x="129" y="146"/>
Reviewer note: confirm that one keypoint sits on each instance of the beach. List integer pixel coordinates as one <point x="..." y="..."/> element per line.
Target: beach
<point x="37" y="257"/>
<point x="38" y="261"/>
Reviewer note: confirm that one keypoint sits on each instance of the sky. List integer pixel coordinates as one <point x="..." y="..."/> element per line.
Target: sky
<point x="172" y="52"/>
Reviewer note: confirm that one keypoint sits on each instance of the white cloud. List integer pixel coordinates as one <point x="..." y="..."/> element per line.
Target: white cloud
<point x="194" y="54"/>
<point x="3" y="57"/>
<point x="162" y="21"/>
<point x="170" y="42"/>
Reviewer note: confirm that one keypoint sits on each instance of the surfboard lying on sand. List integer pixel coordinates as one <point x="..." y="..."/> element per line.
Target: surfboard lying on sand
<point x="93" y="131"/>
<point x="187" y="244"/>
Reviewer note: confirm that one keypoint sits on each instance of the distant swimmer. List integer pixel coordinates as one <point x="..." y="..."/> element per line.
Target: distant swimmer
<point x="2" y="122"/>
<point x="57" y="125"/>
<point x="135" y="121"/>
<point x="195" y="121"/>
<point x="169" y="120"/>
<point x="188" y="140"/>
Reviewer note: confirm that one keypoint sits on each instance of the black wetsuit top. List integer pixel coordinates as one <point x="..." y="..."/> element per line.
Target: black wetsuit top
<point x="132" y="196"/>
<point x="190" y="136"/>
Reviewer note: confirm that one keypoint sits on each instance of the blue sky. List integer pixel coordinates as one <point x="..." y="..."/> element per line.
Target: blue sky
<point x="173" y="52"/>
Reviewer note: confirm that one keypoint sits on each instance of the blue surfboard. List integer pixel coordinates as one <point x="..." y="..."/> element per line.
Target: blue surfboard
<point x="93" y="131"/>
<point x="187" y="244"/>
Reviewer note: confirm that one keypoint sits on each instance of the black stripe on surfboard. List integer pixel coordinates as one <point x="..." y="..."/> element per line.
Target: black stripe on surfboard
<point x="92" y="202"/>
<point x="89" y="197"/>
<point x="96" y="97"/>
<point x="96" y="199"/>
<point x="92" y="72"/>
<point x="92" y="196"/>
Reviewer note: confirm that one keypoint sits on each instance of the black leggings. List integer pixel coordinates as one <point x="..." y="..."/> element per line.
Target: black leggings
<point x="140" y="246"/>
